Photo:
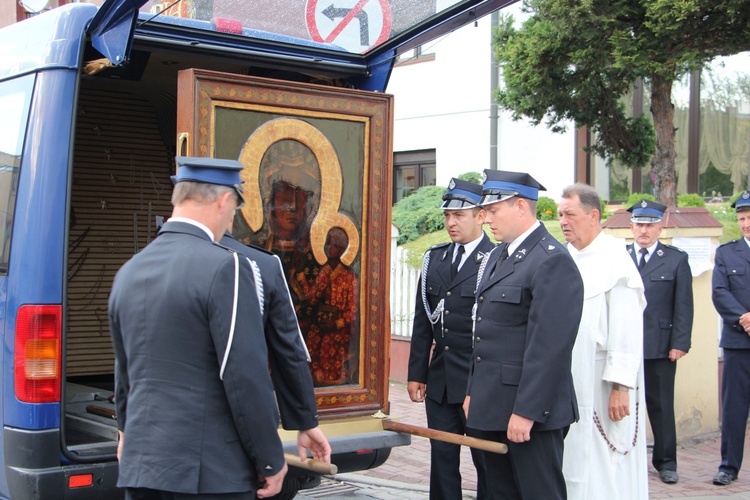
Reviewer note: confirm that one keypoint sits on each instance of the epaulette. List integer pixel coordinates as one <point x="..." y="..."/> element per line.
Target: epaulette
<point x="678" y="249"/>
<point x="550" y="245"/>
<point x="260" y="249"/>
<point x="729" y="243"/>
<point x="435" y="247"/>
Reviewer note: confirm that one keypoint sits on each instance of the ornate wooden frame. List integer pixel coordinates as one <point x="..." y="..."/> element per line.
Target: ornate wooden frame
<point x="276" y="111"/>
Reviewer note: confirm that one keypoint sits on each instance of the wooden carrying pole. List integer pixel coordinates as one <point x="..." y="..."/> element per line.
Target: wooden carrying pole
<point x="311" y="465"/>
<point x="291" y="459"/>
<point x="448" y="437"/>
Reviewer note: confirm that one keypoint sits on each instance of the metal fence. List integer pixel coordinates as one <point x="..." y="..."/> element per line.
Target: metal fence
<point x="403" y="293"/>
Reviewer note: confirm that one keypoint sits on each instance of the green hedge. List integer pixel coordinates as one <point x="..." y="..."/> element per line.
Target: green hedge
<point x="546" y="208"/>
<point x="419" y="213"/>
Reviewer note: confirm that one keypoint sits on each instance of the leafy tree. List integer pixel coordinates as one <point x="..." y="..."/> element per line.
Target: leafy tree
<point x="576" y="59"/>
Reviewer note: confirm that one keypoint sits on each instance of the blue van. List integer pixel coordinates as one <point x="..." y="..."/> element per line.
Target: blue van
<point x="92" y="101"/>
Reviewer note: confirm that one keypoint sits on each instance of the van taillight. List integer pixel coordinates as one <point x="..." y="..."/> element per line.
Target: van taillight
<point x="37" y="355"/>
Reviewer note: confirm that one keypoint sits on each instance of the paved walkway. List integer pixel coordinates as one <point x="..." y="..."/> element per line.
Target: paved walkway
<point x="696" y="462"/>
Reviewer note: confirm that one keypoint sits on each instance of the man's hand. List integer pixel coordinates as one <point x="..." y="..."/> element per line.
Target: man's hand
<point x="745" y="322"/>
<point x="519" y="428"/>
<point x="315" y="441"/>
<point x="121" y="435"/>
<point x="675" y="354"/>
<point x="272" y="485"/>
<point x="619" y="405"/>
<point x="467" y="402"/>
<point x="416" y="391"/>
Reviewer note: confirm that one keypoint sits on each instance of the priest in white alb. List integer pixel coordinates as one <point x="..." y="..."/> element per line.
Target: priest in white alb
<point x="605" y="451"/>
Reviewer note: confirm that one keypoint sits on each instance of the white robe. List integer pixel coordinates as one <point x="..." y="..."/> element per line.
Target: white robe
<point x="608" y="349"/>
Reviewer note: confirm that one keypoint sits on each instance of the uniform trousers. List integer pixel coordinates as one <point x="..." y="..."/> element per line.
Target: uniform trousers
<point x="659" y="375"/>
<point x="530" y="470"/>
<point x="445" y="476"/>
<point x="735" y="402"/>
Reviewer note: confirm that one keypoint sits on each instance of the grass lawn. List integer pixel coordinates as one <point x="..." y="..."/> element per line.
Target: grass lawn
<point x="416" y="248"/>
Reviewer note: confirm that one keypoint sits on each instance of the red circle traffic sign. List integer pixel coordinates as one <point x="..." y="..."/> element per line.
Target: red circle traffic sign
<point x="337" y="22"/>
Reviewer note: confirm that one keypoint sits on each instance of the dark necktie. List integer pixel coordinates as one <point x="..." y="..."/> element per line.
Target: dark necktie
<point x="503" y="255"/>
<point x="457" y="261"/>
<point x="642" y="262"/>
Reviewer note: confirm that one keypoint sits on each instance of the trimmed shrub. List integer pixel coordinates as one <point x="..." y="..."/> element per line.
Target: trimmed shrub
<point x="546" y="208"/>
<point x="419" y="213"/>
<point x="690" y="200"/>
<point x="474" y="177"/>
<point x="636" y="197"/>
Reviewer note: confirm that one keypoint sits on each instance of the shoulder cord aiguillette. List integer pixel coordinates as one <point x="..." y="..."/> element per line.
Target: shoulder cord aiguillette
<point x="437" y="314"/>
<point x="234" y="314"/>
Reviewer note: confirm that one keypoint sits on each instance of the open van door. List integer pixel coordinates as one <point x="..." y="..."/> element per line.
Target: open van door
<point x="360" y="37"/>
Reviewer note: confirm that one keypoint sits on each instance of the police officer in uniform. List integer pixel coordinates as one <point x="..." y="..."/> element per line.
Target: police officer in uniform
<point x="528" y="307"/>
<point x="667" y="326"/>
<point x="445" y="297"/>
<point x="195" y="404"/>
<point x="731" y="298"/>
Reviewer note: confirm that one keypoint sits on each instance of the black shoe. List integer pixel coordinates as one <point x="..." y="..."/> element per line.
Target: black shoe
<point x="724" y="478"/>
<point x="669" y="476"/>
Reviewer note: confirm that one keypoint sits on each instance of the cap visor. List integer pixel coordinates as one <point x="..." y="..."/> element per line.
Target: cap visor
<point x="489" y="199"/>
<point x="457" y="205"/>
<point x="645" y="220"/>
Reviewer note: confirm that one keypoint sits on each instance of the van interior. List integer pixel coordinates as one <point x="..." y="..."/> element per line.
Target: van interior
<point x="125" y="143"/>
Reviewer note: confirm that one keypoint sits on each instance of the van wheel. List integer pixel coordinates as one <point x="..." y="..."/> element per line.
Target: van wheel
<point x="292" y="485"/>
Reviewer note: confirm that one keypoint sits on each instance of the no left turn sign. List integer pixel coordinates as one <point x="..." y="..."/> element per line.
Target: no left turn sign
<point x="355" y="25"/>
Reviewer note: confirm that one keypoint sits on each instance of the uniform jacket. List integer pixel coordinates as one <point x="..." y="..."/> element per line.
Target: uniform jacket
<point x="668" y="318"/>
<point x="449" y="368"/>
<point x="527" y="319"/>
<point x="187" y="430"/>
<point x="731" y="291"/>
<point x="288" y="355"/>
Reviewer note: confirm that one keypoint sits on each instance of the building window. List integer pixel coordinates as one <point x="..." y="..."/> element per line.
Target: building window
<point x="712" y="144"/>
<point x="724" y="151"/>
<point x="412" y="170"/>
<point x="416" y="55"/>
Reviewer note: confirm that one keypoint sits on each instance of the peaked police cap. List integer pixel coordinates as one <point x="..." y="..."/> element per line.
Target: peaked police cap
<point x="500" y="185"/>
<point x="210" y="171"/>
<point x="743" y="202"/>
<point x="647" y="212"/>
<point x="461" y="195"/>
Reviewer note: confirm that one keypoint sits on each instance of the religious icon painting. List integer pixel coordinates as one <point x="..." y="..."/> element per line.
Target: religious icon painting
<point x="317" y="180"/>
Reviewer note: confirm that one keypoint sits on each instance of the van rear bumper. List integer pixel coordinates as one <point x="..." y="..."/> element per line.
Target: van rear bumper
<point x="33" y="469"/>
<point x="33" y="466"/>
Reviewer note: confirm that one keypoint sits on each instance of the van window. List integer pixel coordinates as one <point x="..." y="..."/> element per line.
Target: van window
<point x="15" y="96"/>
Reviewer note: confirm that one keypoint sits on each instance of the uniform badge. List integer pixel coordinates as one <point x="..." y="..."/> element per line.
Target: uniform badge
<point x="659" y="252"/>
<point x="746" y="195"/>
<point x="551" y="247"/>
<point x="644" y="204"/>
<point x="452" y="184"/>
